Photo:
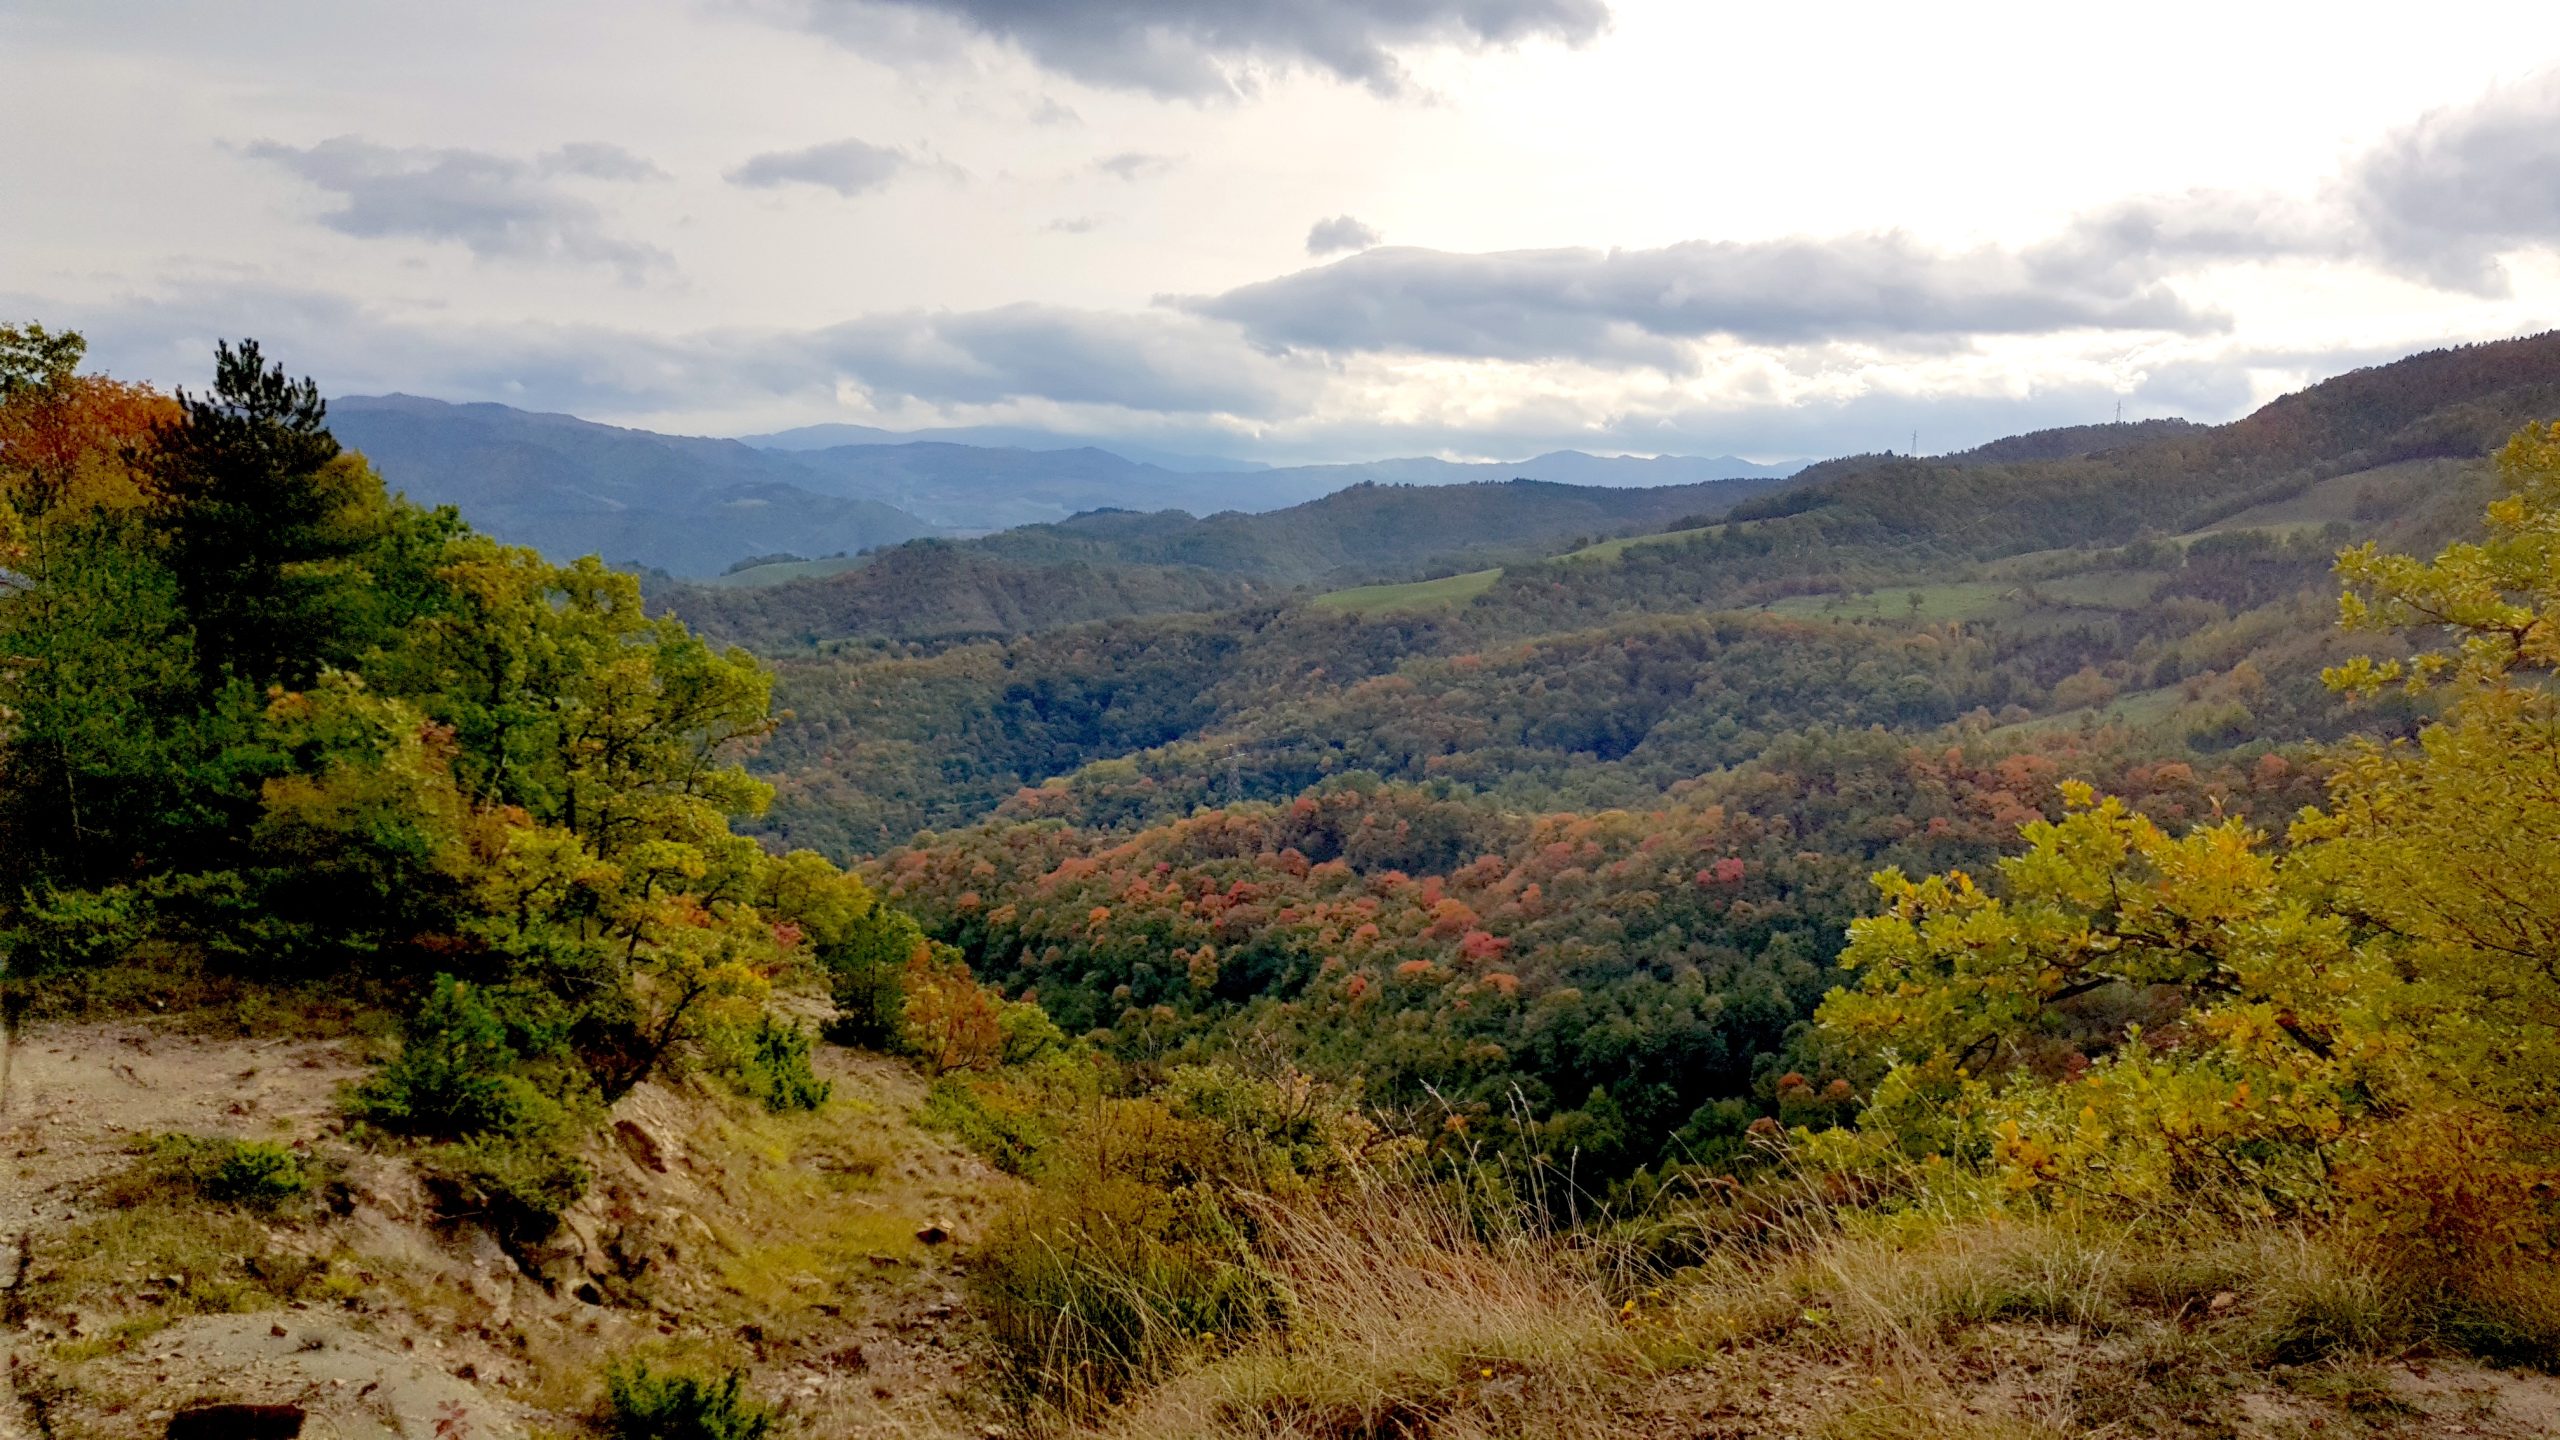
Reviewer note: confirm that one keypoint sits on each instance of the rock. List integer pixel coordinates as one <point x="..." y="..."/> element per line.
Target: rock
<point x="645" y="1149"/>
<point x="236" y="1422"/>
<point x="932" y="1235"/>
<point x="2221" y="1303"/>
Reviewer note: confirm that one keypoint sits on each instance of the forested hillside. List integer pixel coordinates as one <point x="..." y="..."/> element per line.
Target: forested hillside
<point x="1111" y="564"/>
<point x="1640" y="784"/>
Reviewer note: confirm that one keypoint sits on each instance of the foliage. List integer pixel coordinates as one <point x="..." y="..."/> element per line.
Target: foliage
<point x="2357" y="1024"/>
<point x="263" y="715"/>
<point x="516" y="1185"/>
<point x="646" y="1404"/>
<point x="1627" y="978"/>
<point x="256" y="1173"/>
<point x="253" y="1174"/>
<point x="867" y="969"/>
<point x="462" y="1068"/>
<point x="774" y="1066"/>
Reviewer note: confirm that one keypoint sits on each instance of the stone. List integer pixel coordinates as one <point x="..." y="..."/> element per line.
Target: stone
<point x="236" y="1422"/>
<point x="644" y="1148"/>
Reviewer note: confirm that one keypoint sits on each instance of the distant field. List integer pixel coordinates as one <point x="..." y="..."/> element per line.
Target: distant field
<point x="754" y="576"/>
<point x="1955" y="600"/>
<point x="1612" y="549"/>
<point x="1420" y="595"/>
<point x="2137" y="711"/>
<point x="2337" y="499"/>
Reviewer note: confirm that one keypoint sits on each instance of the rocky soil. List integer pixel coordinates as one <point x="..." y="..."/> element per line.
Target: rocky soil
<point x="820" y="1253"/>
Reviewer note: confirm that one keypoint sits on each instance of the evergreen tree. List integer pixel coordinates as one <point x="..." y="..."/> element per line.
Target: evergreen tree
<point x="254" y="510"/>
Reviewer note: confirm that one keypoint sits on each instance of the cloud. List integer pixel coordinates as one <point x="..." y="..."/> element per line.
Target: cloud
<point x="1180" y="381"/>
<point x="2438" y="200"/>
<point x="1185" y="48"/>
<point x="599" y="160"/>
<point x="1647" y="307"/>
<point x="496" y="206"/>
<point x="1150" y="361"/>
<point x="1071" y="225"/>
<point x="848" y="167"/>
<point x="1329" y="237"/>
<point x="1135" y="164"/>
<point x="2443" y="197"/>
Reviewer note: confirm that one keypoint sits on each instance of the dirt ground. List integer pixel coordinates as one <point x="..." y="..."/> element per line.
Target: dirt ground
<point x="714" y="1236"/>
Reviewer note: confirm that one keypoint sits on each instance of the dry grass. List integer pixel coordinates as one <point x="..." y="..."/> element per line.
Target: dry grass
<point x="1405" y="1319"/>
<point x="1411" y="1319"/>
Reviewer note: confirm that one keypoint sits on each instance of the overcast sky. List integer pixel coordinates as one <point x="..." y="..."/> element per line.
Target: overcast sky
<point x="1300" y="229"/>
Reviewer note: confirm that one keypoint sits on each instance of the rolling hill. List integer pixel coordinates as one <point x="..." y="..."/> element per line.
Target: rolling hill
<point x="570" y="487"/>
<point x="1115" y="563"/>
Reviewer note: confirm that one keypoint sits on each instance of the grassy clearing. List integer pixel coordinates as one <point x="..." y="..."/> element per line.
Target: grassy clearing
<point x="2361" y="498"/>
<point x="2141" y="710"/>
<point x="760" y="575"/>
<point x="1612" y="549"/>
<point x="1953" y="600"/>
<point x="1445" y="592"/>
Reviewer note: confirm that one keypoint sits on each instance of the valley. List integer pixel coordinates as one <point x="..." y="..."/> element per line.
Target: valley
<point x="1368" y="966"/>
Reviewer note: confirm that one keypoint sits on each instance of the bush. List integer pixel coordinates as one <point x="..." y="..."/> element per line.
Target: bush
<point x="457" y="1072"/>
<point x="867" y="973"/>
<point x="252" y="1174"/>
<point x="65" y="928"/>
<point x="643" y="1404"/>
<point x="775" y="1067"/>
<point x="517" y="1187"/>
<point x="258" y="1174"/>
<point x="1006" y="1125"/>
<point x="1143" y="1233"/>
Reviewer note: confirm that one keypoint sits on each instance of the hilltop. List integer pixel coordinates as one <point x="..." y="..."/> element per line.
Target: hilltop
<point x="1116" y="563"/>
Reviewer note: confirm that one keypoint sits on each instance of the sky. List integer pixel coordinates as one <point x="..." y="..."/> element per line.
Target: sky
<point x="1299" y="230"/>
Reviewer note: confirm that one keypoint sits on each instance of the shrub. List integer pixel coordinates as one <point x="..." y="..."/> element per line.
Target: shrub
<point x="64" y="928"/>
<point x="643" y="1404"/>
<point x="256" y="1173"/>
<point x="775" y="1067"/>
<point x="517" y="1186"/>
<point x="1144" y="1233"/>
<point x="952" y="1022"/>
<point x="1006" y="1126"/>
<point x="455" y="1074"/>
<point x="867" y="973"/>
<point x="252" y="1174"/>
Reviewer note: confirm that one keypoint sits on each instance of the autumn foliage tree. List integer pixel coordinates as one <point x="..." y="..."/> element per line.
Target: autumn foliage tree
<point x="263" y="715"/>
<point x="2360" y="1022"/>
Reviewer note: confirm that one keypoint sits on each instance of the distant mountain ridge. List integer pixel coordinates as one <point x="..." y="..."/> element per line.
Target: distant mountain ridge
<point x="836" y="435"/>
<point x="570" y="487"/>
<point x="692" y="506"/>
<point x="1114" y="564"/>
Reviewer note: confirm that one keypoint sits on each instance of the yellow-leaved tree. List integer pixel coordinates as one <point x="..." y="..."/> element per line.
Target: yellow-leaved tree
<point x="2360" y="1023"/>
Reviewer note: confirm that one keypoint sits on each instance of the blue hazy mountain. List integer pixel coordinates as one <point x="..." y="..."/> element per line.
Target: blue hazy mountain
<point x="569" y="487"/>
<point x="692" y="505"/>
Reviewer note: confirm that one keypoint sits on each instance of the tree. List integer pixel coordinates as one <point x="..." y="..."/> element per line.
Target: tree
<point x="258" y="512"/>
<point x="2369" y="1015"/>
